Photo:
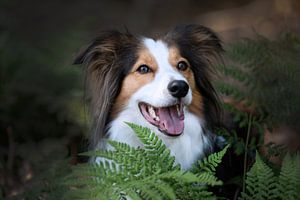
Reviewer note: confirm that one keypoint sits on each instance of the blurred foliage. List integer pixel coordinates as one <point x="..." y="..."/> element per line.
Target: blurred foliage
<point x="260" y="86"/>
<point x="264" y="76"/>
<point x="50" y="168"/>
<point x="41" y="111"/>
<point x="37" y="92"/>
<point x="261" y="79"/>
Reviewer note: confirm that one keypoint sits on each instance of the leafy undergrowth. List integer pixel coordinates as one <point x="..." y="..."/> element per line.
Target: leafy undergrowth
<point x="151" y="173"/>
<point x="263" y="183"/>
<point x="142" y="173"/>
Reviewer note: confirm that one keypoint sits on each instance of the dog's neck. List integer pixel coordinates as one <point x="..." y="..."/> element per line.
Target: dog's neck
<point x="187" y="148"/>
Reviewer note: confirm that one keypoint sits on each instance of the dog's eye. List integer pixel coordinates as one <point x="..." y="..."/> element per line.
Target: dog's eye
<point x="143" y="69"/>
<point x="182" y="66"/>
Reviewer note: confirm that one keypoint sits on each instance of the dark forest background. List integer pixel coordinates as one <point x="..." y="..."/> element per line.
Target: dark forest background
<point x="43" y="117"/>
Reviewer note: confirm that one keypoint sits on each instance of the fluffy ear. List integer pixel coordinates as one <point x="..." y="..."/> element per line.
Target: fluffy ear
<point x="196" y="40"/>
<point x="106" y="62"/>
<point x="201" y="47"/>
<point x="107" y="46"/>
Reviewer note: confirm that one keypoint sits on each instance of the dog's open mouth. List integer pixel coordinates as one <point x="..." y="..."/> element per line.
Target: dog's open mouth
<point x="169" y="120"/>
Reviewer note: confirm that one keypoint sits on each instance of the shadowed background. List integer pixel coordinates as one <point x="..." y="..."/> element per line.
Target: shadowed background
<point x="42" y="114"/>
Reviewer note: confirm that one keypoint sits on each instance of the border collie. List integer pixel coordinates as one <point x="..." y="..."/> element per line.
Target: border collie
<point x="163" y="84"/>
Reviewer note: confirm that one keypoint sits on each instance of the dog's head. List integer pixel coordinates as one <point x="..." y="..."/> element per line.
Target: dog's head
<point x="161" y="79"/>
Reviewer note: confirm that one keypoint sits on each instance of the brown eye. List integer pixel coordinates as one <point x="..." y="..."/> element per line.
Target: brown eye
<point x="143" y="69"/>
<point x="182" y="66"/>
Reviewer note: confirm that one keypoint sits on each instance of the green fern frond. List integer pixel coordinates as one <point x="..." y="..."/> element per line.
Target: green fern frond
<point x="166" y="190"/>
<point x="209" y="179"/>
<point x="289" y="178"/>
<point x="139" y="173"/>
<point x="264" y="73"/>
<point x="155" y="149"/>
<point x="234" y="72"/>
<point x="228" y="89"/>
<point x="262" y="183"/>
<point x="194" y="191"/>
<point x="210" y="163"/>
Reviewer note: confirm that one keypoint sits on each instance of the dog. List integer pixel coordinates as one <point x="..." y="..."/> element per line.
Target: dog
<point x="163" y="84"/>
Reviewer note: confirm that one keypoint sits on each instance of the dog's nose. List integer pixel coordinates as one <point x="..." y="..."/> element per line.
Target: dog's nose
<point x="178" y="88"/>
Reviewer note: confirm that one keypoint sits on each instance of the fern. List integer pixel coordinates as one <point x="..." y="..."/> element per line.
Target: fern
<point x="289" y="178"/>
<point x="262" y="183"/>
<point x="141" y="173"/>
<point x="210" y="163"/>
<point x="264" y="75"/>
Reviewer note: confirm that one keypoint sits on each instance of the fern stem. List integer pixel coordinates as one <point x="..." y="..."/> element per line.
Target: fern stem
<point x="246" y="151"/>
<point x="236" y="194"/>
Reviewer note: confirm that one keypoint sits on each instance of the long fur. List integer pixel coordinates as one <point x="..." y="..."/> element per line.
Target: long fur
<point x="110" y="57"/>
<point x="103" y="75"/>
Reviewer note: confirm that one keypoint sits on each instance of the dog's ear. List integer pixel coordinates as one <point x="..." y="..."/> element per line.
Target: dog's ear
<point x="196" y="40"/>
<point x="107" y="46"/>
<point x="106" y="62"/>
<point x="202" y="48"/>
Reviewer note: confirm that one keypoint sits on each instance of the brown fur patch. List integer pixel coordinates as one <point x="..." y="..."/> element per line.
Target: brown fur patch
<point x="134" y="80"/>
<point x="196" y="107"/>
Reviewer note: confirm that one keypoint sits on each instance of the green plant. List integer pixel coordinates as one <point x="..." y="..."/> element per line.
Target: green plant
<point x="41" y="108"/>
<point x="210" y="163"/>
<point x="259" y="83"/>
<point x="263" y="76"/>
<point x="263" y="183"/>
<point x="141" y="173"/>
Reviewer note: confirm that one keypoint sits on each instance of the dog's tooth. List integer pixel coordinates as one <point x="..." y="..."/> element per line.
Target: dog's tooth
<point x="152" y="112"/>
<point x="178" y="110"/>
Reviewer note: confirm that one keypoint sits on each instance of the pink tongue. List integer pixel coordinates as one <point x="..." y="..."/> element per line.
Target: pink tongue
<point x="170" y="122"/>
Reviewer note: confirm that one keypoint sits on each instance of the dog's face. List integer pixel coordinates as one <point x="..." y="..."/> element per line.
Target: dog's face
<point x="160" y="85"/>
<point x="158" y="80"/>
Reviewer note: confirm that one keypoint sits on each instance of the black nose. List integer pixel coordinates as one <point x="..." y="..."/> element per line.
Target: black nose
<point x="178" y="88"/>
